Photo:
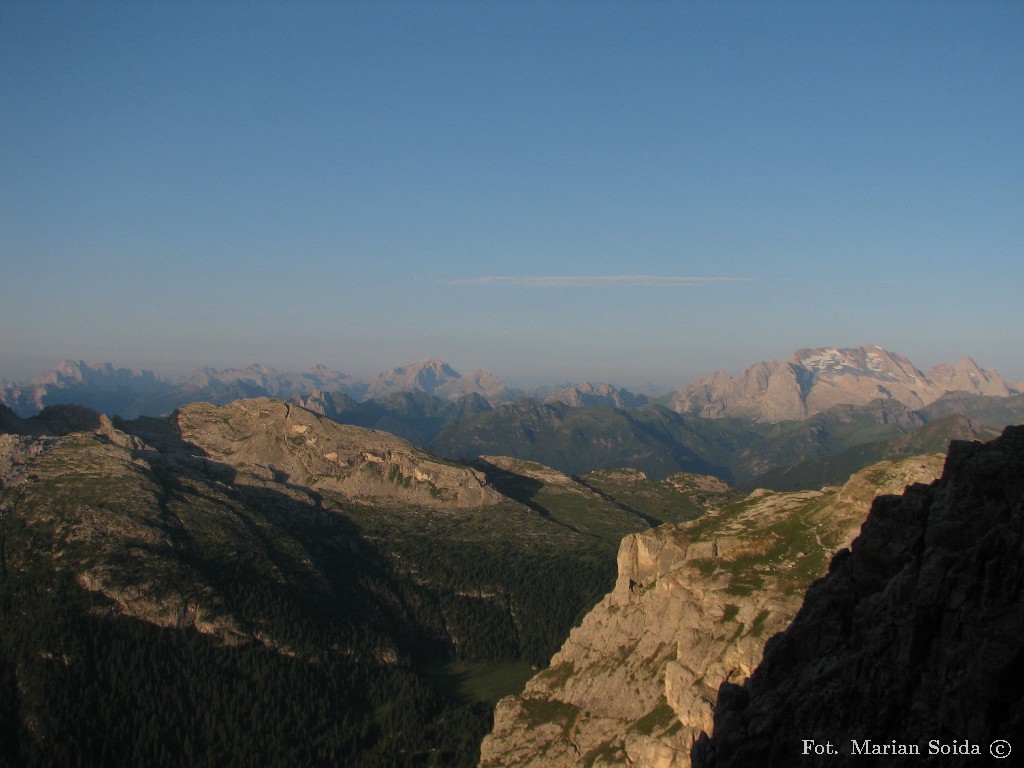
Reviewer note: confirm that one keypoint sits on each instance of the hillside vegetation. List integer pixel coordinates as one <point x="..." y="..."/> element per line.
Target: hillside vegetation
<point x="259" y="584"/>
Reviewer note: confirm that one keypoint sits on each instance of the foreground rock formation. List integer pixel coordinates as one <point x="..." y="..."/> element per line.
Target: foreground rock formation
<point x="914" y="642"/>
<point x="635" y="683"/>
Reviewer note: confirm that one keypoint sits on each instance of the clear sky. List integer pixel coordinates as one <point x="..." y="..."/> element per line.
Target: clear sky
<point x="625" y="192"/>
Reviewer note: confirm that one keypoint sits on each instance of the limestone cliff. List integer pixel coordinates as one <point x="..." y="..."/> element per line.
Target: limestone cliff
<point x="915" y="640"/>
<point x="692" y="607"/>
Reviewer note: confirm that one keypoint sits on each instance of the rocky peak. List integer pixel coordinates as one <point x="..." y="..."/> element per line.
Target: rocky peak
<point x="478" y="382"/>
<point x="425" y="376"/>
<point x="433" y="377"/>
<point x="814" y="380"/>
<point x="829" y="361"/>
<point x="330" y="404"/>
<point x="586" y="394"/>
<point x="260" y="379"/>
<point x="968" y="376"/>
<point x="79" y="372"/>
<point x="720" y="394"/>
<point x="69" y="370"/>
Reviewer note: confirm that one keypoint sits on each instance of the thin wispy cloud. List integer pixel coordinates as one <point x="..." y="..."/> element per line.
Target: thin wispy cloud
<point x="594" y="281"/>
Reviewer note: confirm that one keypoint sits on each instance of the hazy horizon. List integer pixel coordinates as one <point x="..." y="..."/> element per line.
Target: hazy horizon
<point x="556" y="191"/>
<point x="515" y="380"/>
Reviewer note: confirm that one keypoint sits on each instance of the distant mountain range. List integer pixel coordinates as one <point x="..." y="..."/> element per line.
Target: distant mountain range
<point x="808" y="422"/>
<point x="585" y="393"/>
<point x="130" y="393"/>
<point x="810" y="382"/>
<point x="823" y="449"/>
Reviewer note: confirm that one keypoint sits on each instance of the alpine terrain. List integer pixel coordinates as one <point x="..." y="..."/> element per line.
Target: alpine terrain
<point x="420" y="567"/>
<point x="256" y="583"/>
<point x="911" y="650"/>
<point x="692" y="606"/>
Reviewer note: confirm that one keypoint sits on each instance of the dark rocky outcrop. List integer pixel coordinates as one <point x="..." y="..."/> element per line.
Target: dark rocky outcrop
<point x="915" y="639"/>
<point x="10" y="424"/>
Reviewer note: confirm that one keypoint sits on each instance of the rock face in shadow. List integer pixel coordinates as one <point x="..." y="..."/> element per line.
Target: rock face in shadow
<point x="635" y="683"/>
<point x="914" y="641"/>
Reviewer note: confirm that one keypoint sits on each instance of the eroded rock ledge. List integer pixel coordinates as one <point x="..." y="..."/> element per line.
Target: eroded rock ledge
<point x="693" y="604"/>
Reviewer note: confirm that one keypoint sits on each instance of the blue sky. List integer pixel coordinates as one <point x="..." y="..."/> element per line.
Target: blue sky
<point x="624" y="192"/>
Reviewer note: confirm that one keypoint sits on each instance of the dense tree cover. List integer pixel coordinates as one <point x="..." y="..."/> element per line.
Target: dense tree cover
<point x="348" y="631"/>
<point x="534" y="598"/>
<point x="81" y="687"/>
